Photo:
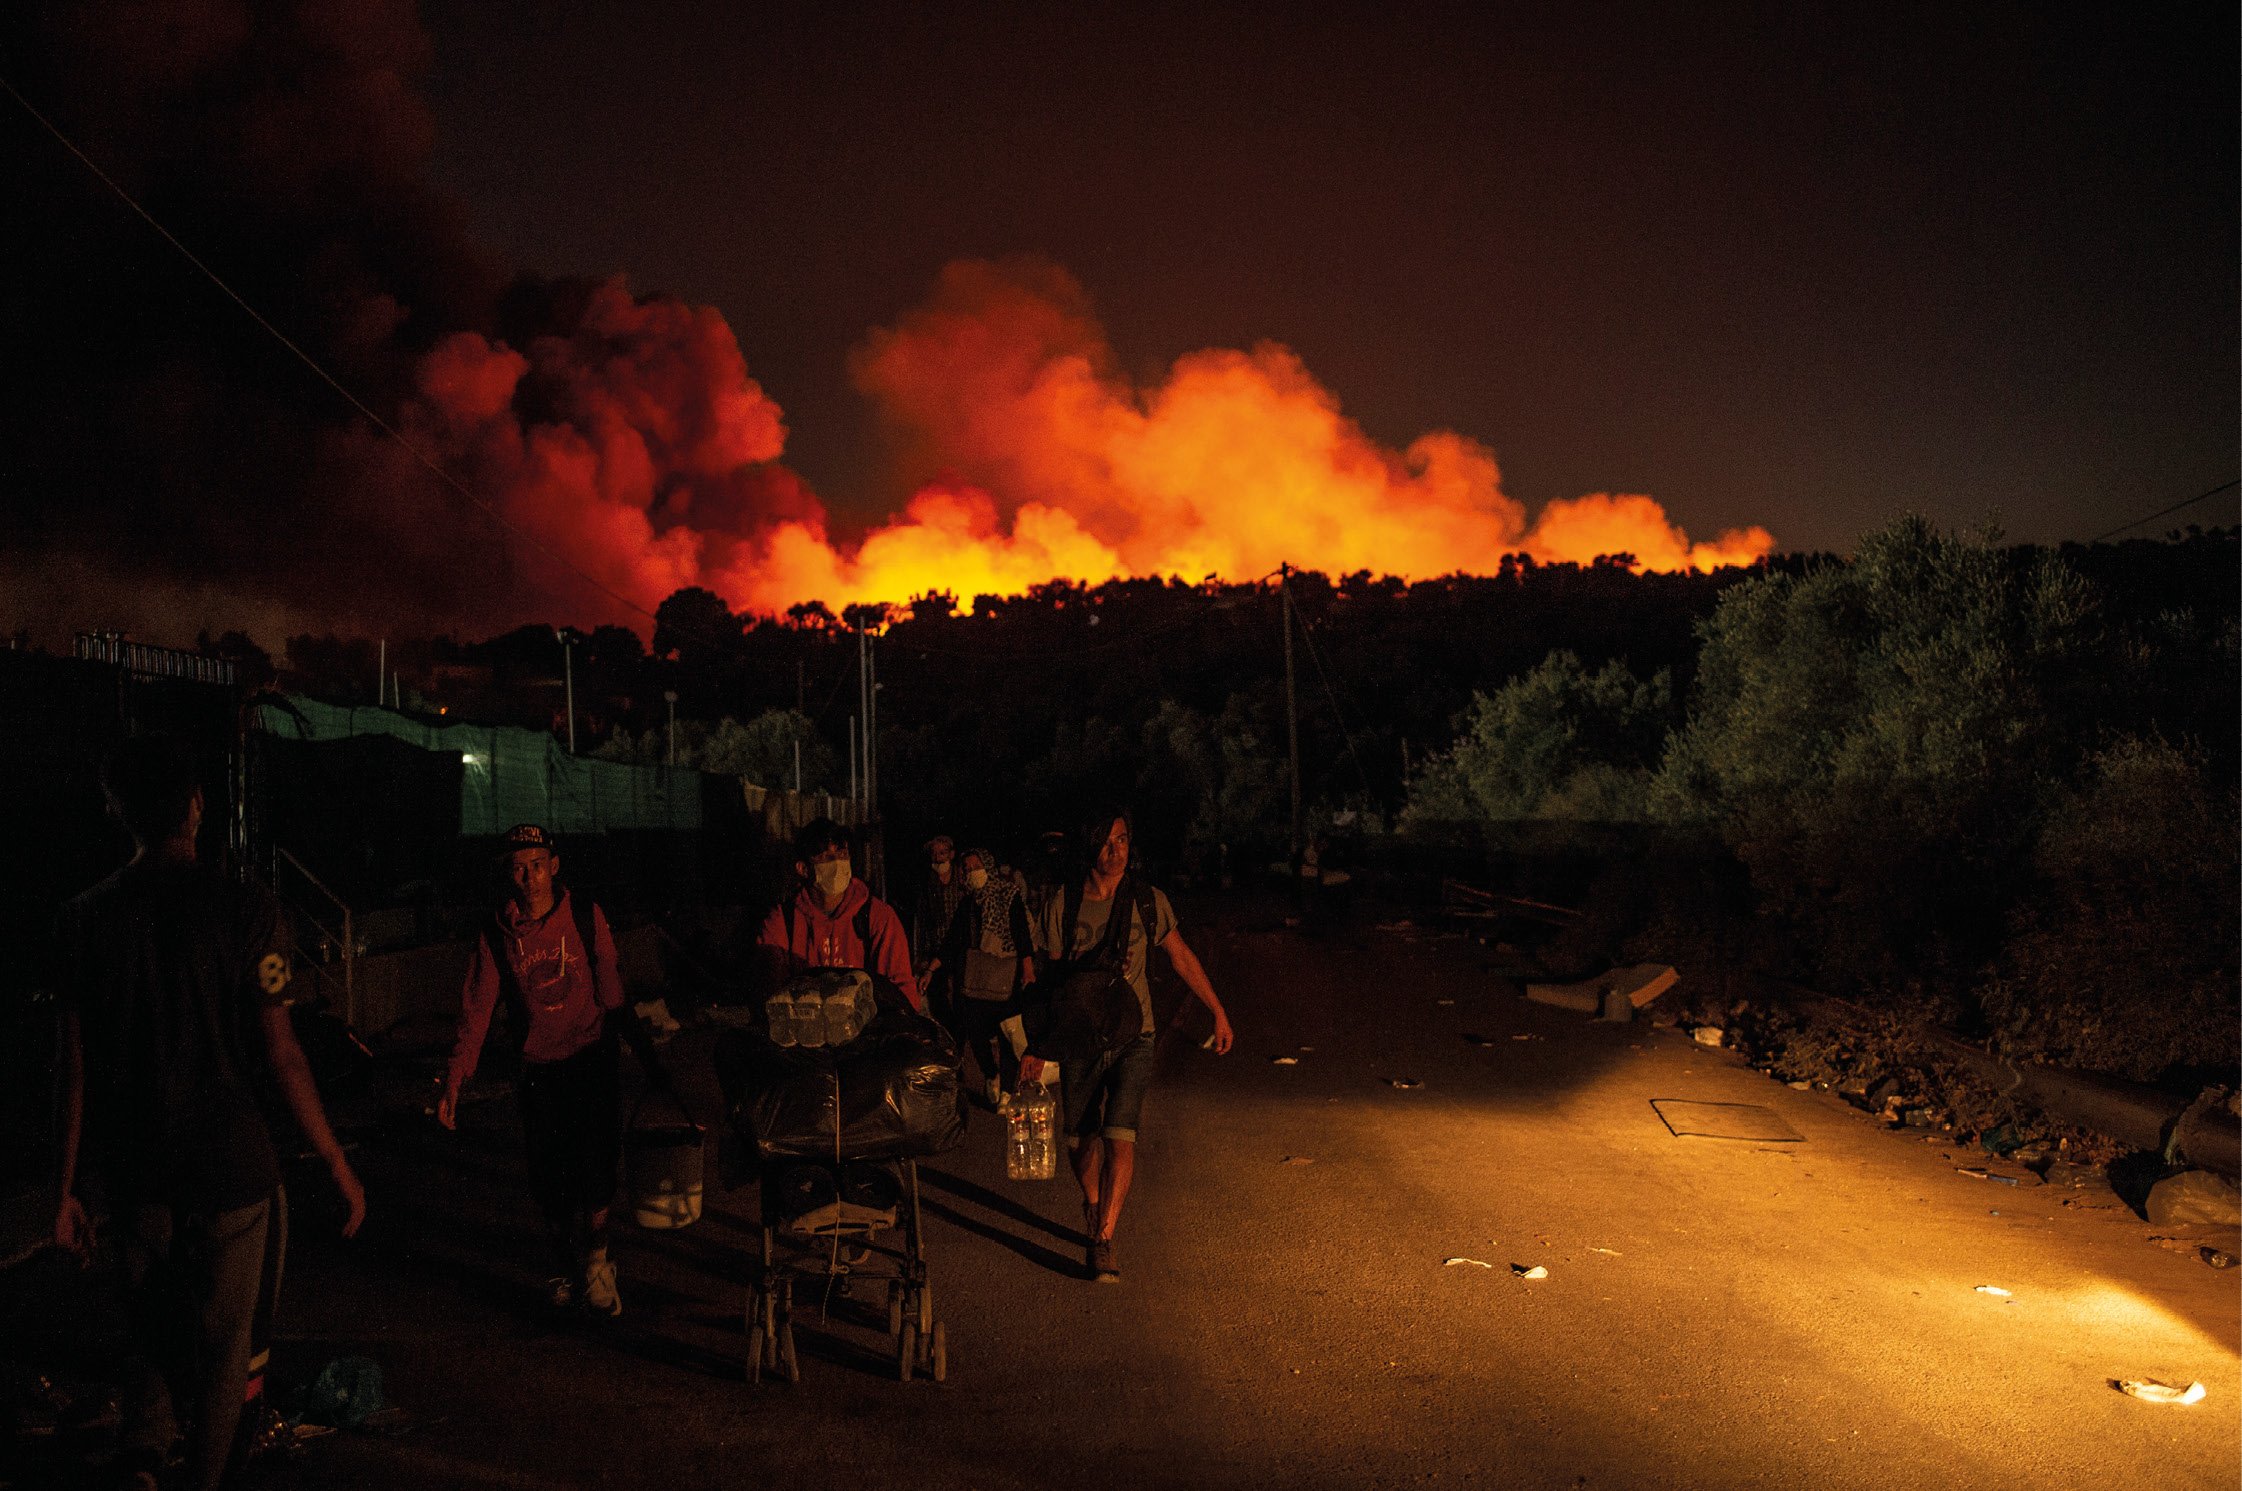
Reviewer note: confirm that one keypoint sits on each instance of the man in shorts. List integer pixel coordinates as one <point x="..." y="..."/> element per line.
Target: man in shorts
<point x="1104" y="1095"/>
<point x="172" y="982"/>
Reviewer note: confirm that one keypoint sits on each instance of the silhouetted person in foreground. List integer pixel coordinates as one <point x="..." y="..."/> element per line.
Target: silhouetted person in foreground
<point x="1104" y="1096"/>
<point x="173" y="981"/>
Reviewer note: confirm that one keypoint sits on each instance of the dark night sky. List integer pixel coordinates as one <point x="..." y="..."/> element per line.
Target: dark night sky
<point x="1764" y="263"/>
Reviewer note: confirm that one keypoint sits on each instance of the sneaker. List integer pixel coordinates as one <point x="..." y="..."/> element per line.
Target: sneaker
<point x="600" y="1296"/>
<point x="1105" y="1266"/>
<point x="560" y="1293"/>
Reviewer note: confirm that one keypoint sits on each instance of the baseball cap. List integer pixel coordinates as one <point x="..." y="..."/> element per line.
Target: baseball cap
<point x="525" y="836"/>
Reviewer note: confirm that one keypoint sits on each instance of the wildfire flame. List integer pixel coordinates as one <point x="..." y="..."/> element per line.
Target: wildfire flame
<point x="653" y="461"/>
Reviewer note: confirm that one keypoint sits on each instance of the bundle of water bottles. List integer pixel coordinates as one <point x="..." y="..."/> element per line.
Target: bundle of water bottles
<point x="827" y="1007"/>
<point x="844" y="1069"/>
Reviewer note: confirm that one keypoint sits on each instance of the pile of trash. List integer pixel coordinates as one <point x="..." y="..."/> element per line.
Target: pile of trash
<point x="1877" y="1066"/>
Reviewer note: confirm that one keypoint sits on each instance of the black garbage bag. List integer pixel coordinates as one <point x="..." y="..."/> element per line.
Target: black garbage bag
<point x="891" y="1093"/>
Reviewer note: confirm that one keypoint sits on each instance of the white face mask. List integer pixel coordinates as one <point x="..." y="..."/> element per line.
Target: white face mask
<point x="831" y="877"/>
<point x="975" y="879"/>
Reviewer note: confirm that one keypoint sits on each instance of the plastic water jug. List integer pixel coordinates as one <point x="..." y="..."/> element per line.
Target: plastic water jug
<point x="1031" y="1123"/>
<point x="778" y="1016"/>
<point x="809" y="1018"/>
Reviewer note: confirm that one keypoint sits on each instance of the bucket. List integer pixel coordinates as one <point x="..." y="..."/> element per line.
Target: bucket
<point x="662" y="1167"/>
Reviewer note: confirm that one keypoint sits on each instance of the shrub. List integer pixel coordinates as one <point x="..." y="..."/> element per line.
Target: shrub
<point x="2121" y="953"/>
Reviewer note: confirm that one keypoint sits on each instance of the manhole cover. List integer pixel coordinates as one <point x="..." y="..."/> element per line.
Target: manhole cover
<point x="1725" y="1121"/>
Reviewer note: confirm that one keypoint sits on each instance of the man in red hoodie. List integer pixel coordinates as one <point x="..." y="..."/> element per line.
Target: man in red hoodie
<point x="834" y="920"/>
<point x="555" y="964"/>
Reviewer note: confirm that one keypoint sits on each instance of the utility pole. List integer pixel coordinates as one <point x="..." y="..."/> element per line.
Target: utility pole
<point x="801" y="689"/>
<point x="852" y="758"/>
<point x="1291" y="704"/>
<point x="567" y="640"/>
<point x="670" y="696"/>
<point x="871" y="731"/>
<point x="381" y="675"/>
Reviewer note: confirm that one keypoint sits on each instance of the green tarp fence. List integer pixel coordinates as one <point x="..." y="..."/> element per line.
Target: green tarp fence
<point x="511" y="775"/>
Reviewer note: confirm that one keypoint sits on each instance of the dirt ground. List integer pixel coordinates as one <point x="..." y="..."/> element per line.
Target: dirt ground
<point x="1716" y="1312"/>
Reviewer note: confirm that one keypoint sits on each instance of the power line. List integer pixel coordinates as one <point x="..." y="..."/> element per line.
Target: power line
<point x="1316" y="656"/>
<point x="2224" y="486"/>
<point x="434" y="467"/>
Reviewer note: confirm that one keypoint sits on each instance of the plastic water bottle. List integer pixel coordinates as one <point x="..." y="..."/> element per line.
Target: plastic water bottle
<point x="809" y="1019"/>
<point x="844" y="1015"/>
<point x="778" y="1015"/>
<point x="1031" y="1150"/>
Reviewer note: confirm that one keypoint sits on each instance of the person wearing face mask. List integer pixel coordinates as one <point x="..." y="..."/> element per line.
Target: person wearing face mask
<point x="989" y="950"/>
<point x="834" y="920"/>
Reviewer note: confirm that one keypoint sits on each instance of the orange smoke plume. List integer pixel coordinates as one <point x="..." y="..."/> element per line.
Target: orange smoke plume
<point x="655" y="462"/>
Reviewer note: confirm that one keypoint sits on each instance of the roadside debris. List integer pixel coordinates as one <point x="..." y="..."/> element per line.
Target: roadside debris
<point x="1995" y="1290"/>
<point x="2194" y="1196"/>
<point x="1747" y="1121"/>
<point x="1528" y="1036"/>
<point x="1284" y="1061"/>
<point x="1444" y="1001"/>
<point x="1523" y="1272"/>
<point x="1979" y="1172"/>
<point x="1459" y="1262"/>
<point x="1607" y="1252"/>
<point x="1404" y="1083"/>
<point x="2216" y="1257"/>
<point x="2149" y="1390"/>
<point x="1296" y="1159"/>
<point x="1611" y="996"/>
<point x="1481" y="1040"/>
<point x="1708" y="1035"/>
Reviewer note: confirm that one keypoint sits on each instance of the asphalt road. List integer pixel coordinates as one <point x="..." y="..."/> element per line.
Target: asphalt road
<point x="1716" y="1313"/>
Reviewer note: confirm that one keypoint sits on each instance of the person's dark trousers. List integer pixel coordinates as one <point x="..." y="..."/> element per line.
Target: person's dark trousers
<point x="572" y="1122"/>
<point x="196" y="1281"/>
<point x="977" y="1032"/>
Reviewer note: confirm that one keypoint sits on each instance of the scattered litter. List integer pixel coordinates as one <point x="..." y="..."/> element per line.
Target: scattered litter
<point x="1978" y="1172"/>
<point x="2193" y="1196"/>
<point x="1993" y="1289"/>
<point x="1528" y="1036"/>
<point x="2149" y="1390"/>
<point x="346" y="1393"/>
<point x="1455" y="1262"/>
<point x="2216" y="1257"/>
<point x="1404" y="1083"/>
<point x="1307" y="1048"/>
<point x="1708" y="1035"/>
<point x="1607" y="1252"/>
<point x="1746" y="1121"/>
<point x="1481" y="1040"/>
<point x="1800" y="1086"/>
<point x="1444" y="1001"/>
<point x="1523" y="1272"/>
<point x="1296" y="1159"/>
<point x="2001" y="1142"/>
<point x="1284" y="1061"/>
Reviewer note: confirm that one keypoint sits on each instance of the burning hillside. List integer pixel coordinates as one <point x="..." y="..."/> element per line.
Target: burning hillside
<point x="634" y="441"/>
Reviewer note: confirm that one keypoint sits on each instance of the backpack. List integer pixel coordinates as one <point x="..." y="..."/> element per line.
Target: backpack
<point x="1088" y="1008"/>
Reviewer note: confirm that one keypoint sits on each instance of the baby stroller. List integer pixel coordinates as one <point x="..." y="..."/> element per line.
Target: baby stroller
<point x="846" y="1229"/>
<point x="834" y="1128"/>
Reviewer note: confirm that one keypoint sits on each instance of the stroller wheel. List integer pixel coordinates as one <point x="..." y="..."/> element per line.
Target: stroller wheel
<point x="937" y="1355"/>
<point x="895" y="1309"/>
<point x="906" y="1351"/>
<point x="788" y="1363"/>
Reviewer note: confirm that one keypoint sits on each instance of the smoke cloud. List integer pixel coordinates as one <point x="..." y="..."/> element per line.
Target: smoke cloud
<point x="172" y="469"/>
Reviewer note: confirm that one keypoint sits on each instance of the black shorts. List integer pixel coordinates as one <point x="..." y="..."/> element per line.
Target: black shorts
<point x="572" y="1123"/>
